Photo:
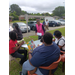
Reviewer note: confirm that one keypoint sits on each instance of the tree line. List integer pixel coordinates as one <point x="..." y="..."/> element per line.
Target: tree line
<point x="16" y="11"/>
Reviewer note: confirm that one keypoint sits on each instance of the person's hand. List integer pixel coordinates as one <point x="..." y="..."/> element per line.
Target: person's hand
<point x="29" y="52"/>
<point x="22" y="42"/>
<point x="36" y="34"/>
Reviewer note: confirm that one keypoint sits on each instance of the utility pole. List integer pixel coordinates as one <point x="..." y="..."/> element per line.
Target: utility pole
<point x="26" y="17"/>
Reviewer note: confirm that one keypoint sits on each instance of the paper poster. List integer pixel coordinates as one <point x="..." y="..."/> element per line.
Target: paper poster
<point x="39" y="34"/>
<point x="31" y="45"/>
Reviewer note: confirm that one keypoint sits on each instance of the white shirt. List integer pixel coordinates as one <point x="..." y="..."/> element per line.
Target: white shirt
<point x="10" y="28"/>
<point x="61" y="42"/>
<point x="46" y="22"/>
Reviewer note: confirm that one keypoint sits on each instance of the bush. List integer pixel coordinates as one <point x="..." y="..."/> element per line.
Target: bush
<point x="42" y="19"/>
<point x="30" y="19"/>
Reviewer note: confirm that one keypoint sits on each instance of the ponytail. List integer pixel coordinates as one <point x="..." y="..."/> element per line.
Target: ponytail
<point x="17" y="27"/>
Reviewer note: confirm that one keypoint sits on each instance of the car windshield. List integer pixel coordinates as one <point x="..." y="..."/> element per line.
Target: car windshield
<point x="21" y="24"/>
<point x="62" y="20"/>
<point x="31" y="22"/>
<point x="57" y="20"/>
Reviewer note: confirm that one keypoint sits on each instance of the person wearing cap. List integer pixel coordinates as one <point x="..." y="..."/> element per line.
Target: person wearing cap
<point x="39" y="29"/>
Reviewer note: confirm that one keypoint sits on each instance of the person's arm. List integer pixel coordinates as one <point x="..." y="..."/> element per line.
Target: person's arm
<point x="59" y="46"/>
<point x="30" y="56"/>
<point x="53" y="40"/>
<point x="48" y="22"/>
<point x="43" y="28"/>
<point x="61" y="43"/>
<point x="17" y="47"/>
<point x="35" y="30"/>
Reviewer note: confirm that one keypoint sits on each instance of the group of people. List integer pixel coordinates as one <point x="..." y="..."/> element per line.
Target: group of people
<point x="43" y="55"/>
<point x="14" y="46"/>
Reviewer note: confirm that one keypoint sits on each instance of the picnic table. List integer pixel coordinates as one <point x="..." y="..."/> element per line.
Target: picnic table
<point x="37" y="42"/>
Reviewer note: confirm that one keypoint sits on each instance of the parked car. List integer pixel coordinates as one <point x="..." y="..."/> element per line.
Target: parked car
<point x="22" y="26"/>
<point x="32" y="25"/>
<point x="59" y="22"/>
<point x="62" y="21"/>
<point x="54" y="23"/>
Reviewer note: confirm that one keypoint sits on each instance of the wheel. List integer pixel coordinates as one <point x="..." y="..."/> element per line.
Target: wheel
<point x="29" y="31"/>
<point x="33" y="28"/>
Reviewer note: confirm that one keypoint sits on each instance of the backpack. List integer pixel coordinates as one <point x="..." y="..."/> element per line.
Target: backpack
<point x="63" y="45"/>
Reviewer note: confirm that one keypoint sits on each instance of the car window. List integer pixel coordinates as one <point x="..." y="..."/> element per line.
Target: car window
<point x="13" y="24"/>
<point x="49" y="21"/>
<point x="28" y="22"/>
<point x="52" y="21"/>
<point x="31" y="22"/>
<point x="21" y="24"/>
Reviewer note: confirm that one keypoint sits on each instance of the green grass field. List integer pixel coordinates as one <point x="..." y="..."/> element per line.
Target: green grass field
<point x="15" y="68"/>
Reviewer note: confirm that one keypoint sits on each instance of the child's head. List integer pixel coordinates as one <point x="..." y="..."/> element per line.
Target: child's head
<point x="13" y="35"/>
<point x="57" y="34"/>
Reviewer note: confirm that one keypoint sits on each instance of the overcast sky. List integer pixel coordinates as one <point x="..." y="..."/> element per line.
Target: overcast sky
<point x="38" y="6"/>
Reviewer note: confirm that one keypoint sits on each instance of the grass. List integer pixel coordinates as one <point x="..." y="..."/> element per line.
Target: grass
<point x="62" y="30"/>
<point x="15" y="68"/>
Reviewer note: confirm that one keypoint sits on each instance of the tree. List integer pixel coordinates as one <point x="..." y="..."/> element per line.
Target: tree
<point x="14" y="15"/>
<point x="23" y="12"/>
<point x="16" y="8"/>
<point x="43" y="14"/>
<point x="38" y="14"/>
<point x="47" y="14"/>
<point x="58" y="11"/>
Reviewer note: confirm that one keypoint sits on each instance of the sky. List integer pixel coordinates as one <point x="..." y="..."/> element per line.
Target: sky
<point x="38" y="6"/>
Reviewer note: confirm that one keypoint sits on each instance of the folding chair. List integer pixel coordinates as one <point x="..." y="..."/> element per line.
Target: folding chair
<point x="12" y="58"/>
<point x="63" y="60"/>
<point x="50" y="68"/>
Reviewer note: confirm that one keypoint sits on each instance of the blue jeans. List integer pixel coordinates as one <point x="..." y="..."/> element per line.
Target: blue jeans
<point x="28" y="67"/>
<point x="39" y="37"/>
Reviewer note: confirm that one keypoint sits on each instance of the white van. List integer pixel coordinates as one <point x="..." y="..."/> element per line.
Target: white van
<point x="49" y="19"/>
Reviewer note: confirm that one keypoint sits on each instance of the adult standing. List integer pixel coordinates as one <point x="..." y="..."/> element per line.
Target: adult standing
<point x="39" y="29"/>
<point x="46" y="24"/>
<point x="18" y="31"/>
